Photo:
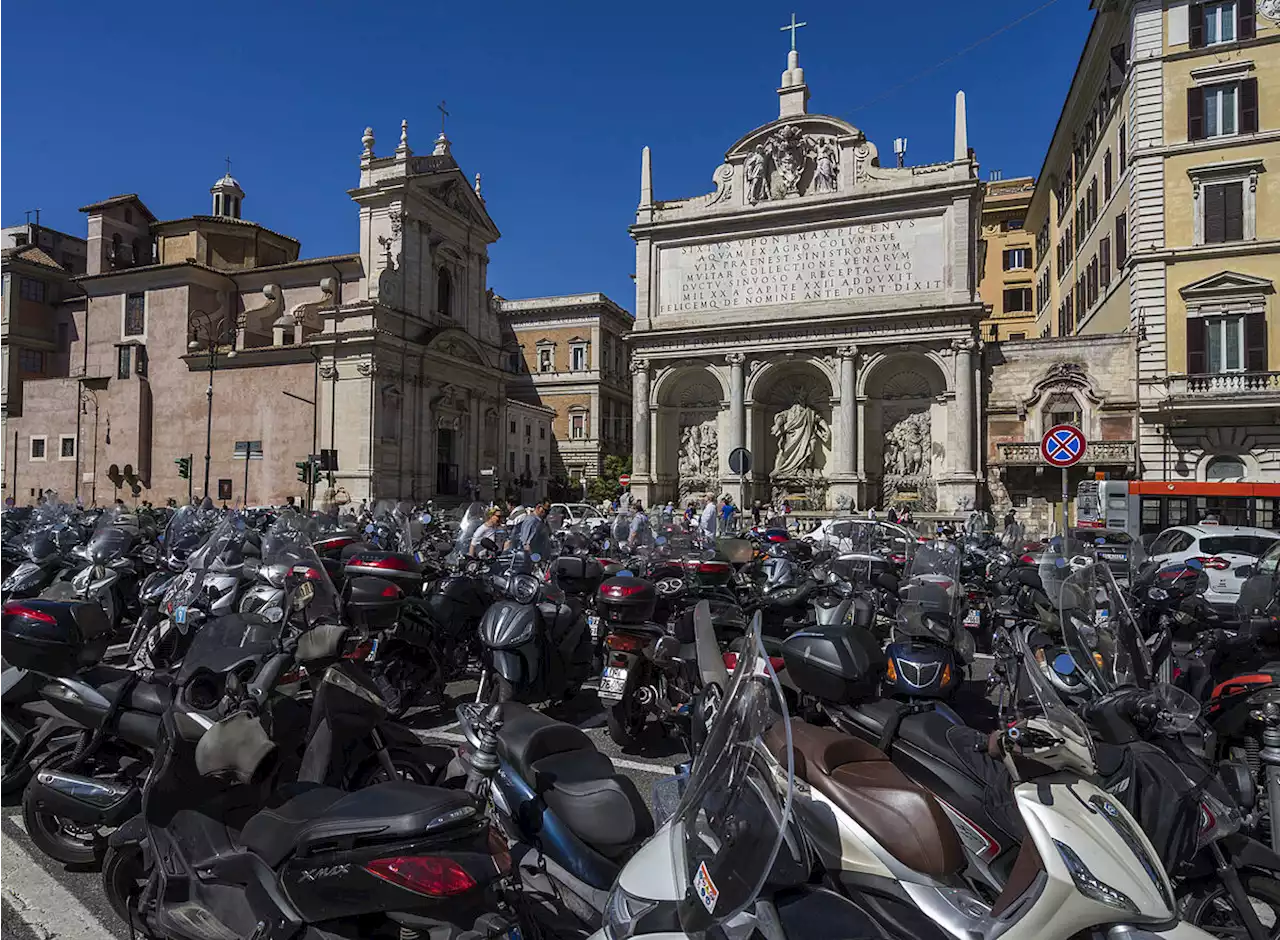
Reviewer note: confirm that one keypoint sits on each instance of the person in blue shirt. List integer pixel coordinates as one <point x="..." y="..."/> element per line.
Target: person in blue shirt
<point x="726" y="513"/>
<point x="639" y="525"/>
<point x="531" y="533"/>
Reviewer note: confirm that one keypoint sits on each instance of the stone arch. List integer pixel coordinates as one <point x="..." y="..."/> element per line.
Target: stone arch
<point x="1249" y="462"/>
<point x="690" y="427"/>
<point x="906" y="417"/>
<point x="457" y="343"/>
<point x="768" y="372"/>
<point x="774" y="389"/>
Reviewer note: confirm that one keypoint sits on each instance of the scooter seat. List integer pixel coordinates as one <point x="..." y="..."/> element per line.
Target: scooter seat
<point x="302" y="815"/>
<point x="574" y="780"/>
<point x="149" y="697"/>
<point x="902" y="817"/>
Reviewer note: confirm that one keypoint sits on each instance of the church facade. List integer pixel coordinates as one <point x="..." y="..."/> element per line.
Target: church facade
<point x="817" y="309"/>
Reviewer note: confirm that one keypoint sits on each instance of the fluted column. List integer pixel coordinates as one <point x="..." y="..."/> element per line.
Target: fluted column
<point x="846" y="451"/>
<point x="640" y="416"/>
<point x="963" y="410"/>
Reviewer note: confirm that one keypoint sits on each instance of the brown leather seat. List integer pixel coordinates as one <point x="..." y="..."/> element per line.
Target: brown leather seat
<point x="904" y="818"/>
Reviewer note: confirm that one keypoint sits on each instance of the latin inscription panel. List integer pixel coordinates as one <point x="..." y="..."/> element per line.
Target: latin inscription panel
<point x="843" y="262"/>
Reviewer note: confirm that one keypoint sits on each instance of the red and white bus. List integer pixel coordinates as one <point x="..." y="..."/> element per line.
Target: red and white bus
<point x="1142" y="507"/>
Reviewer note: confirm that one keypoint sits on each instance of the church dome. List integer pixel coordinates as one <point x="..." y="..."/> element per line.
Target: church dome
<point x="227" y="184"/>
<point x="227" y="196"/>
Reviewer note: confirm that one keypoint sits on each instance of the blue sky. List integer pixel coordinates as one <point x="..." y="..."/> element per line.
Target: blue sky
<point x="550" y="102"/>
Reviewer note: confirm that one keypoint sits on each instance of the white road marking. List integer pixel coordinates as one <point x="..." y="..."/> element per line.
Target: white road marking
<point x="659" y="770"/>
<point x="45" y="906"/>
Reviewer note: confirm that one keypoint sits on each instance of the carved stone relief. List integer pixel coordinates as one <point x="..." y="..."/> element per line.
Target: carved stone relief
<point x="908" y="457"/>
<point x="791" y="163"/>
<point x="699" y="458"/>
<point x="723" y="179"/>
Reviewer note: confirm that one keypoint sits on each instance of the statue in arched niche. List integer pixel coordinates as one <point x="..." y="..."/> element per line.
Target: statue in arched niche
<point x="798" y="430"/>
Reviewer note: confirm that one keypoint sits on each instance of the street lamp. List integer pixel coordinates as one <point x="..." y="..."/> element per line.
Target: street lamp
<point x="216" y="330"/>
<point x="88" y="395"/>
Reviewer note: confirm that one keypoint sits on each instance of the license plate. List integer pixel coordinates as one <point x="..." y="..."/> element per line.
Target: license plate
<point x="593" y="624"/>
<point x="180" y="615"/>
<point x="1114" y="556"/>
<point x="973" y="618"/>
<point x="613" y="680"/>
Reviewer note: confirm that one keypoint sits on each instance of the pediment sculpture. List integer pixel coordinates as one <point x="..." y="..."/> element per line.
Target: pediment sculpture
<point x="792" y="163"/>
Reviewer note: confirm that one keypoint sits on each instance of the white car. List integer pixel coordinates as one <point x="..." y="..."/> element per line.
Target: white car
<point x="1227" y="552"/>
<point x="578" y="513"/>
<point x="846" y="536"/>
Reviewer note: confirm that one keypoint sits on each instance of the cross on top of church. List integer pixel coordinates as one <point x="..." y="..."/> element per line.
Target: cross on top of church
<point x="792" y="26"/>
<point x="228" y="166"/>
<point x="443" y="114"/>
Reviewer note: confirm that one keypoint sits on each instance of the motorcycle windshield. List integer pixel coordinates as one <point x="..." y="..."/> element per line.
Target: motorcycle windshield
<point x="109" y="542"/>
<point x="1100" y="632"/>
<point x="932" y="586"/>
<point x="980" y="525"/>
<point x="1064" y="722"/>
<point x="186" y="530"/>
<point x="220" y="553"/>
<point x="1056" y="561"/>
<point x="391" y="525"/>
<point x="472" y="519"/>
<point x="733" y="816"/>
<point x="287" y="548"/>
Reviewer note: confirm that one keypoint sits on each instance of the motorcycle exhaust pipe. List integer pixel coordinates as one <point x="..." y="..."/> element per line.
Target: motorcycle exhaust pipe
<point x="85" y="800"/>
<point x="646" y="695"/>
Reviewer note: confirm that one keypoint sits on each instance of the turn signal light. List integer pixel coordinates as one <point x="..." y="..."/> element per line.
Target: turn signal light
<point x="423" y="874"/>
<point x="946" y="674"/>
<point x="891" y="673"/>
<point x="499" y="851"/>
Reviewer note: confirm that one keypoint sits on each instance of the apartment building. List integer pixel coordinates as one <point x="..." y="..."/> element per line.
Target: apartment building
<point x="1007" y="260"/>
<point x="1156" y="216"/>
<point x="568" y="353"/>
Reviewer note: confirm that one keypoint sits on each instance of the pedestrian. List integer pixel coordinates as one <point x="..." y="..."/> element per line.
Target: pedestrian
<point x="532" y="533"/>
<point x="871" y="513"/>
<point x="639" y="532"/>
<point x="756" y="511"/>
<point x="893" y="515"/>
<point x="288" y="502"/>
<point x="707" y="521"/>
<point x="486" y="530"/>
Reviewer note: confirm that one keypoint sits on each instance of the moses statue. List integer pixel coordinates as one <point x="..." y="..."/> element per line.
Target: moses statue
<point x="798" y="431"/>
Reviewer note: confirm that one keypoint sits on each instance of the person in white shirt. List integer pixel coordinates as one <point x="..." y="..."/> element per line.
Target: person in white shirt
<point x="707" y="521"/>
<point x="487" y="530"/>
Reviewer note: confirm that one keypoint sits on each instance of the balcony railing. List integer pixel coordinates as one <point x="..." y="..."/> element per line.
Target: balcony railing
<point x="1224" y="384"/>
<point x="1027" y="453"/>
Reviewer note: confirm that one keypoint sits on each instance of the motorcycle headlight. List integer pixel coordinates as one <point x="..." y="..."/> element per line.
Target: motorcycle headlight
<point x="1090" y="886"/>
<point x="1158" y="594"/>
<point x="524" y="588"/>
<point x="623" y="912"/>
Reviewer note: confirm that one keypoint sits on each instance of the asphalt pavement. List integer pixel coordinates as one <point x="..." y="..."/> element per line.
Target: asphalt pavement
<point x="45" y="900"/>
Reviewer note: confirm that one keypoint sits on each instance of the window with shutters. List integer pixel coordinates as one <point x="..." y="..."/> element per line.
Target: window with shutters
<point x="1091" y="278"/>
<point x="1081" y="226"/>
<point x="1122" y="148"/>
<point x="1091" y="203"/>
<point x="124" y="361"/>
<point x="1231" y="342"/>
<point x="1220" y="117"/>
<point x="1122" y="241"/>
<point x="1220" y="21"/>
<point x="1223" y="212"/>
<point x="1106" y="175"/>
<point x="1222" y="109"/>
<point x="1017" y="259"/>
<point x="1082" y="303"/>
<point x="1104" y="263"/>
<point x="1017" y="300"/>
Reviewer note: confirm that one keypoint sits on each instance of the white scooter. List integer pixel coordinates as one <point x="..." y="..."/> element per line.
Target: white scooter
<point x="768" y="797"/>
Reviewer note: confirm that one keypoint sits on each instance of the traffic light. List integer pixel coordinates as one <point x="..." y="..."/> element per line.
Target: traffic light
<point x="184" y="467"/>
<point x="304" y="471"/>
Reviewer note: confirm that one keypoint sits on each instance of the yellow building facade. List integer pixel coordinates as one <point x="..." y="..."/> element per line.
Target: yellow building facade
<point x="1180" y="247"/>
<point x="1007" y="261"/>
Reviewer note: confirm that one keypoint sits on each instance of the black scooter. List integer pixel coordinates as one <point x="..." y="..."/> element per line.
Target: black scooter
<point x="220" y="851"/>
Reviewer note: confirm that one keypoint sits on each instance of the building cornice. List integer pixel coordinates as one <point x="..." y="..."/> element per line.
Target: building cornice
<point x="1258" y="246"/>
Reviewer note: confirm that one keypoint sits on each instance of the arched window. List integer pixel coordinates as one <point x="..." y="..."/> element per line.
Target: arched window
<point x="138" y="256"/>
<point x="115" y="248"/>
<point x="1224" y="470"/>
<point x="444" y="293"/>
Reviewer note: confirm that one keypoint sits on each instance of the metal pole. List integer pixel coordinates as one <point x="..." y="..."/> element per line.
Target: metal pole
<point x="248" y="452"/>
<point x="191" y="481"/>
<point x="79" y="412"/>
<point x="93" y="492"/>
<point x="208" y="425"/>
<point x="1064" y="502"/>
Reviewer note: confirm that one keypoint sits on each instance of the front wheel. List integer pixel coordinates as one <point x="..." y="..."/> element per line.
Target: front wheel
<point x="408" y="766"/>
<point x="1213" y="911"/>
<point x="124" y="876"/>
